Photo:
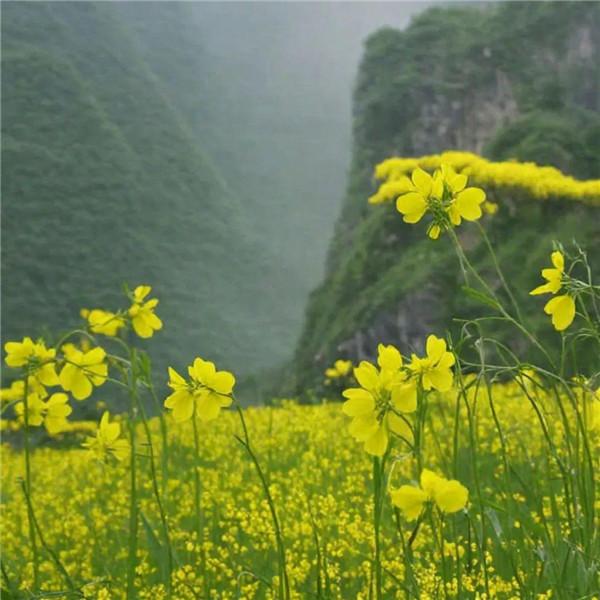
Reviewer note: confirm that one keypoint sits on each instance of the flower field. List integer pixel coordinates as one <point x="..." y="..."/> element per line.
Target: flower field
<point x="320" y="481"/>
<point x="452" y="469"/>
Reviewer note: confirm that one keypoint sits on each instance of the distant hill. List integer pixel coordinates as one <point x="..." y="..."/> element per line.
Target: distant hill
<point x="514" y="80"/>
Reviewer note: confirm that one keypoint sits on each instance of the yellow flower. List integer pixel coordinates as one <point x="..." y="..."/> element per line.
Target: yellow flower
<point x="435" y="369"/>
<point x="141" y="312"/>
<point x="206" y="392"/>
<point x="83" y="370"/>
<point x="553" y="276"/>
<point x="103" y="321"/>
<point x="410" y="500"/>
<point x="39" y="360"/>
<point x="377" y="406"/>
<point x="107" y="442"/>
<point x="490" y="208"/>
<point x="51" y="413"/>
<point x="448" y="494"/>
<point x="562" y="311"/>
<point x="340" y="368"/>
<point x="560" y="308"/>
<point x="444" y="195"/>
<point x="16" y="391"/>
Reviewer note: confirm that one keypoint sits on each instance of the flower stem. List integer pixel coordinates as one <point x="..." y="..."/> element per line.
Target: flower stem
<point x="197" y="504"/>
<point x="377" y="478"/>
<point x="284" y="585"/>
<point x="27" y="488"/>
<point x="163" y="517"/>
<point x="133" y="504"/>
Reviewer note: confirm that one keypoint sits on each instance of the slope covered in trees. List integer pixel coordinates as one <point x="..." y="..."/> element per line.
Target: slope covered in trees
<point x="516" y="80"/>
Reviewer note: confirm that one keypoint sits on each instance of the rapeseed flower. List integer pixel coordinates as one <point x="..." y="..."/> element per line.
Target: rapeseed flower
<point x="340" y="368"/>
<point x="444" y="195"/>
<point x="143" y="319"/>
<point x="51" y="413"/>
<point x="103" y="321"/>
<point x="378" y="405"/>
<point x="83" y="370"/>
<point x="540" y="182"/>
<point x="434" y="370"/>
<point x="107" y="441"/>
<point x="561" y="308"/>
<point x="449" y="495"/>
<point x="38" y="360"/>
<point x="206" y="391"/>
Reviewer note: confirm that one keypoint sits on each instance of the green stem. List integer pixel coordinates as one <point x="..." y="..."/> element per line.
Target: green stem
<point x="377" y="477"/>
<point x="464" y="262"/>
<point x="197" y="503"/>
<point x="27" y="488"/>
<point x="133" y="504"/>
<point x="163" y="517"/>
<point x="499" y="272"/>
<point x="284" y="585"/>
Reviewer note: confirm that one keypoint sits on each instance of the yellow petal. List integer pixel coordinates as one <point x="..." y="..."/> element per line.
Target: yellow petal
<point x="389" y="357"/>
<point x="558" y="260"/>
<point x="412" y="206"/>
<point x="367" y="375"/>
<point x="404" y="396"/>
<point x="409" y="500"/>
<point x="209" y="407"/>
<point x="376" y="444"/>
<point x="400" y="427"/>
<point x="468" y="203"/>
<point x="440" y="378"/>
<point x="562" y="310"/>
<point x="363" y="428"/>
<point x="360" y="402"/>
<point x="422" y="181"/>
<point x="451" y="496"/>
<point x="183" y="409"/>
<point x="223" y="382"/>
<point x="430" y="481"/>
<point x="435" y="347"/>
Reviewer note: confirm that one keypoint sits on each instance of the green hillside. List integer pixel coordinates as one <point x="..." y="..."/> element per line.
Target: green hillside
<point x="512" y="81"/>
<point x="104" y="182"/>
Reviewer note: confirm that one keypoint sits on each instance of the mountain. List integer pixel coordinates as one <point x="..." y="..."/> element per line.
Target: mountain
<point x="514" y="80"/>
<point x="200" y="148"/>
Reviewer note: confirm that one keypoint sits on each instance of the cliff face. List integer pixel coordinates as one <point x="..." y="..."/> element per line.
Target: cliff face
<point x="510" y="81"/>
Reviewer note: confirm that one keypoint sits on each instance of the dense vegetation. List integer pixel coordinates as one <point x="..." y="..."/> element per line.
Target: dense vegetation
<point x="168" y="143"/>
<point x="514" y="81"/>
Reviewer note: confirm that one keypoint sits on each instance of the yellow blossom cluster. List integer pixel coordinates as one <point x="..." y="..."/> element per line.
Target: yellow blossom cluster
<point x="540" y="182"/>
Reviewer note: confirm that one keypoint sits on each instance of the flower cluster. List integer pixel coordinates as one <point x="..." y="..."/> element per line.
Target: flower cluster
<point x="204" y="393"/>
<point x="537" y="181"/>
<point x="387" y="394"/>
<point x="76" y="369"/>
<point x="340" y="368"/>
<point x="445" y="196"/>
<point x="449" y="495"/>
<point x="561" y="308"/>
<point x="141" y="314"/>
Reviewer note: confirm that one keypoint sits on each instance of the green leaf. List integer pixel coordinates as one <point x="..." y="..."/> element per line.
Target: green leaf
<point x="480" y="297"/>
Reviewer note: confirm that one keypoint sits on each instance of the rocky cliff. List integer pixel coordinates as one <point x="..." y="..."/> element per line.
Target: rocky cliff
<point x="518" y="80"/>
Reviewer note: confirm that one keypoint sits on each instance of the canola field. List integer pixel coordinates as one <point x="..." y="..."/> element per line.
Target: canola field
<point x="452" y="469"/>
<point x="320" y="479"/>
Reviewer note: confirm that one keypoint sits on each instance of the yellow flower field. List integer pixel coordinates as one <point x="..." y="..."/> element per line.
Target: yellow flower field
<point x="319" y="479"/>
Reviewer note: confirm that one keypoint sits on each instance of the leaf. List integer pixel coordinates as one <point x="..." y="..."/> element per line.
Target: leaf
<point x="480" y="297"/>
<point x="158" y="552"/>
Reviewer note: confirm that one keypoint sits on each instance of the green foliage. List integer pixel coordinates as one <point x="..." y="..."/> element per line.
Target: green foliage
<point x="418" y="91"/>
<point x="108" y="125"/>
